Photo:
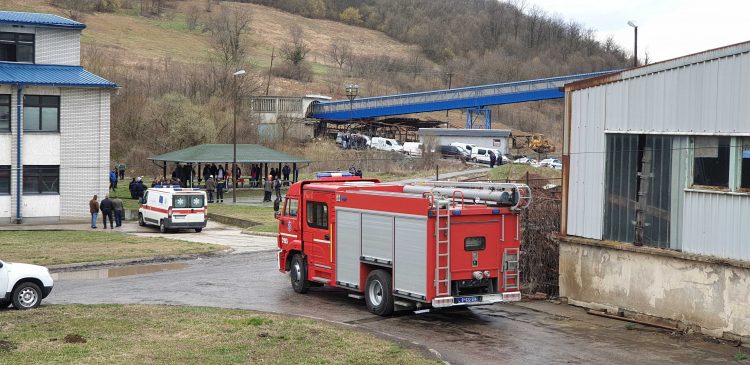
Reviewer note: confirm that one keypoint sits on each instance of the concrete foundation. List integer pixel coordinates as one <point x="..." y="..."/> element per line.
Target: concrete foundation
<point x="698" y="292"/>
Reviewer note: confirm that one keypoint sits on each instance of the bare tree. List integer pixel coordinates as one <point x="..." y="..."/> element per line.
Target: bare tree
<point x="75" y="9"/>
<point x="340" y="52"/>
<point x="295" y="50"/>
<point x="227" y="28"/>
<point x="192" y="17"/>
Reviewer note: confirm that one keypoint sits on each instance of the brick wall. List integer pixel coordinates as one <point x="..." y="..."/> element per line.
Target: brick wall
<point x="58" y="46"/>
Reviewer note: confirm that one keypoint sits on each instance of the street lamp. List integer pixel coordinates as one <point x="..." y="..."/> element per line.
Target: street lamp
<point x="234" y="135"/>
<point x="351" y="93"/>
<point x="635" y="47"/>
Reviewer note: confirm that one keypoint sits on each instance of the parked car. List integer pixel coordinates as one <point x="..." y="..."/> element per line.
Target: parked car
<point x="386" y="144"/>
<point x="547" y="162"/>
<point x="467" y="146"/>
<point x="173" y="208"/>
<point x="23" y="285"/>
<point x="454" y="152"/>
<point x="556" y="165"/>
<point x="525" y="160"/>
<point x="413" y="148"/>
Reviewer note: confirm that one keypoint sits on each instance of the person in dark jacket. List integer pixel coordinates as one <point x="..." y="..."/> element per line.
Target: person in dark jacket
<point x="119" y="210"/>
<point x="220" y="186"/>
<point x="277" y="187"/>
<point x="107" y="209"/>
<point x="493" y="159"/>
<point x="94" y="210"/>
<point x="210" y="187"/>
<point x="131" y="187"/>
<point x="285" y="171"/>
<point x="139" y="188"/>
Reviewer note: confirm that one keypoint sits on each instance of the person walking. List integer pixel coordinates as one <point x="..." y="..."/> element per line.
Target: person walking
<point x="285" y="171"/>
<point x="220" y="186"/>
<point x="210" y="187"/>
<point x="268" y="188"/>
<point x="94" y="210"/>
<point x="107" y="210"/>
<point x="113" y="180"/>
<point x="119" y="210"/>
<point x="493" y="159"/>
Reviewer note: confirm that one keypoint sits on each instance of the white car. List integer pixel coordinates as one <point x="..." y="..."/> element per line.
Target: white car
<point x="386" y="144"/>
<point x="413" y="148"/>
<point x="23" y="285"/>
<point x="556" y="165"/>
<point x="173" y="207"/>
<point x="548" y="162"/>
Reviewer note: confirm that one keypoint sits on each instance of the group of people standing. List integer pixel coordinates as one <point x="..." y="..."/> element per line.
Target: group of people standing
<point x="218" y="186"/>
<point x="110" y="208"/>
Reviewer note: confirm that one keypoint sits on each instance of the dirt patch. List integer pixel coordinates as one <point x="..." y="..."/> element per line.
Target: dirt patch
<point x="72" y="338"/>
<point x="6" y="346"/>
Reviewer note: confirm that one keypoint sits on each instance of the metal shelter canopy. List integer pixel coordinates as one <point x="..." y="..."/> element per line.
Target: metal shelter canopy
<point x="458" y="98"/>
<point x="223" y="153"/>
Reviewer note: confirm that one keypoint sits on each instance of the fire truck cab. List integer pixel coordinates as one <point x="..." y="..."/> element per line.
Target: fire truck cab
<point x="404" y="246"/>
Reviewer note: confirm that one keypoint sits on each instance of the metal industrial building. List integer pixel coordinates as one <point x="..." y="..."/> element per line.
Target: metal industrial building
<point x="54" y="120"/>
<point x="656" y="191"/>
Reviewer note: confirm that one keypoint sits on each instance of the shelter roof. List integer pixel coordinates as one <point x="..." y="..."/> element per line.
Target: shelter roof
<point x="220" y="153"/>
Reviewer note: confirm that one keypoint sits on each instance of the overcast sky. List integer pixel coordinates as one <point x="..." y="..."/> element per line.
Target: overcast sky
<point x="666" y="28"/>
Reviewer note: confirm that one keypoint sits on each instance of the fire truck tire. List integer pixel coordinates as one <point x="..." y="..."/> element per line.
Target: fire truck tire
<point x="378" y="295"/>
<point x="298" y="275"/>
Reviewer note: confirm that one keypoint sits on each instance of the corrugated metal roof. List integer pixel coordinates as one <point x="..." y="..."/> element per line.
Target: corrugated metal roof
<point x="50" y="75"/>
<point x="38" y="19"/>
<point x="464" y="132"/>
<point x="221" y="153"/>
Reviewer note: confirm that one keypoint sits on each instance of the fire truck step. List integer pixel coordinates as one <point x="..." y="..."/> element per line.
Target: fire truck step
<point x="356" y="296"/>
<point x="320" y="280"/>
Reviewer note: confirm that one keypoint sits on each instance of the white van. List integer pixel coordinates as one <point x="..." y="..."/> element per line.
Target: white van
<point x="482" y="154"/>
<point x="386" y="144"/>
<point x="173" y="208"/>
<point x="467" y="146"/>
<point x="413" y="148"/>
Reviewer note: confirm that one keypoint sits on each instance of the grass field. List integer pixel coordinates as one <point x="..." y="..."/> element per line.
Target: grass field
<point x="65" y="247"/>
<point x="517" y="172"/>
<point x="135" y="334"/>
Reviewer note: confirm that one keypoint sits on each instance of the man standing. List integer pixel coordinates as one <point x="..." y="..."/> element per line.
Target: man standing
<point x="493" y="159"/>
<point x="277" y="188"/>
<point x="121" y="167"/>
<point x="139" y="188"/>
<point x="285" y="171"/>
<point x="220" y="190"/>
<point x="94" y="210"/>
<point x="107" y="209"/>
<point x="268" y="188"/>
<point x="119" y="210"/>
<point x="113" y="180"/>
<point x="210" y="187"/>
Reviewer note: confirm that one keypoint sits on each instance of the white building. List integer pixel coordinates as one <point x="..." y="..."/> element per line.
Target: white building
<point x="492" y="138"/>
<point x="656" y="194"/>
<point x="54" y="120"/>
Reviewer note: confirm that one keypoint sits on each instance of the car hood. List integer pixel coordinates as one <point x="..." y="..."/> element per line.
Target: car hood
<point x="15" y="266"/>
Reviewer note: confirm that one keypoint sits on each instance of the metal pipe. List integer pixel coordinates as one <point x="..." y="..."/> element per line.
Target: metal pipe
<point x="19" y="170"/>
<point x="502" y="197"/>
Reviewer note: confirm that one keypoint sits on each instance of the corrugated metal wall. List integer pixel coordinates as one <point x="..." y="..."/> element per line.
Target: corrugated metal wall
<point x="716" y="224"/>
<point x="586" y="196"/>
<point x="705" y="98"/>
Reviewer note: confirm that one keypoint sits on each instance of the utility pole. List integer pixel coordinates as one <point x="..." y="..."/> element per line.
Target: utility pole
<point x="635" y="46"/>
<point x="450" y="78"/>
<point x="273" y="51"/>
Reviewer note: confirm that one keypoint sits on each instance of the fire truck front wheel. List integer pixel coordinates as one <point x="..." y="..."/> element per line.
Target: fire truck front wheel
<point x="378" y="295"/>
<point x="298" y="275"/>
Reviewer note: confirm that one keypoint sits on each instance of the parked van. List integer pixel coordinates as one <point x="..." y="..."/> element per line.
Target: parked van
<point x="173" y="208"/>
<point x="454" y="152"/>
<point x="413" y="148"/>
<point x="386" y="144"/>
<point x="467" y="146"/>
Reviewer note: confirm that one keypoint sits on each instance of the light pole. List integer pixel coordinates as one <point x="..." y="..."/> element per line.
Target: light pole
<point x="234" y="135"/>
<point x="635" y="47"/>
<point x="351" y="93"/>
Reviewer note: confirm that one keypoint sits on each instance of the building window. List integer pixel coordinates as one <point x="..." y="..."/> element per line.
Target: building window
<point x="711" y="161"/>
<point x="745" y="166"/>
<point x="41" y="113"/>
<point x="5" y="113"/>
<point x="317" y="215"/>
<point x="4" y="180"/>
<point x="41" y="179"/>
<point x="16" y="47"/>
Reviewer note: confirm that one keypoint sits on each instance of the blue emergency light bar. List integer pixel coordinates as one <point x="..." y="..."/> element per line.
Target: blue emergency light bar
<point x="322" y="174"/>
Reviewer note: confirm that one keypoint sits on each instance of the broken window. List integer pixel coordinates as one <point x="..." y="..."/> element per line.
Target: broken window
<point x="711" y="161"/>
<point x="638" y="173"/>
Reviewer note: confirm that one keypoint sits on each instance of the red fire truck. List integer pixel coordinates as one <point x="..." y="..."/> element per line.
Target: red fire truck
<point x="423" y="246"/>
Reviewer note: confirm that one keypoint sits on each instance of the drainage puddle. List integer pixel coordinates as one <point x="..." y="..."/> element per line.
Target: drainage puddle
<point x="117" y="272"/>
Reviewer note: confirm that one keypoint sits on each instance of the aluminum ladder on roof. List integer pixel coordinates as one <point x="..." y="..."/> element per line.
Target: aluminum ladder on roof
<point x="442" y="249"/>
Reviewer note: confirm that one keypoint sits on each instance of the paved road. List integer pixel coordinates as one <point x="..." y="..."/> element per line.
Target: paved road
<point x="530" y="333"/>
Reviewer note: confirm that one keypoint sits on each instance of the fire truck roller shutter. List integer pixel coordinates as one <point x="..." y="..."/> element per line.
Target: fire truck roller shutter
<point x="377" y="238"/>
<point x="348" y="247"/>
<point x="410" y="251"/>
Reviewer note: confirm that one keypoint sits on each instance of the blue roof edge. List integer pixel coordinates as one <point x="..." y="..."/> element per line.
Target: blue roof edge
<point x="50" y="20"/>
<point x="106" y="84"/>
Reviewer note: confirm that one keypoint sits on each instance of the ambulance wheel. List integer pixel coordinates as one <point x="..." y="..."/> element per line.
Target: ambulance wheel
<point x="378" y="295"/>
<point x="162" y="227"/>
<point x="141" y="222"/>
<point x="198" y="230"/>
<point x="298" y="275"/>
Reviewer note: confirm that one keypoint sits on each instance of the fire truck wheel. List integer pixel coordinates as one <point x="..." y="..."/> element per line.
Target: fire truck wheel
<point x="378" y="295"/>
<point x="141" y="222"/>
<point x="298" y="275"/>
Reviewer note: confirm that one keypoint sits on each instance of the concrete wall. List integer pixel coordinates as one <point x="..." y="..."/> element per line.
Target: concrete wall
<point x="701" y="292"/>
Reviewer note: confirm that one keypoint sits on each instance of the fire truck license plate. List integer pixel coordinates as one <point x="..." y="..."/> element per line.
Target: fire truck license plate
<point x="462" y="300"/>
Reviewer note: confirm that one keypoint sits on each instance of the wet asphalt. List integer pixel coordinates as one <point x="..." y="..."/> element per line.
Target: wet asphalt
<point x="524" y="333"/>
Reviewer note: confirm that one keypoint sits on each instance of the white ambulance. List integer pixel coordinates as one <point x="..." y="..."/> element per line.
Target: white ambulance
<point x="172" y="207"/>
